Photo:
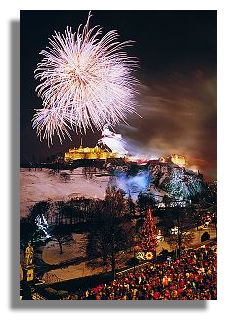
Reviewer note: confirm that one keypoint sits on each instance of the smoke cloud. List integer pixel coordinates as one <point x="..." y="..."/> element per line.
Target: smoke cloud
<point x="178" y="116"/>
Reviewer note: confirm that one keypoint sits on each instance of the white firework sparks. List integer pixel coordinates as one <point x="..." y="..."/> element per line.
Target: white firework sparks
<point x="50" y="121"/>
<point x="86" y="82"/>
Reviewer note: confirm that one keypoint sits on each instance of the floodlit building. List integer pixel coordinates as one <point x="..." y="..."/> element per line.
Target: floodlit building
<point x="179" y="160"/>
<point x="88" y="153"/>
<point x="175" y="159"/>
<point x="110" y="146"/>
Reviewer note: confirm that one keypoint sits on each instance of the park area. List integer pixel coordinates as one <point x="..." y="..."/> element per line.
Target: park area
<point x="88" y="234"/>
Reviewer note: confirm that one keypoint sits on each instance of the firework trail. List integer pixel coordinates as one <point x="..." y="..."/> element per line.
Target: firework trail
<point x="86" y="81"/>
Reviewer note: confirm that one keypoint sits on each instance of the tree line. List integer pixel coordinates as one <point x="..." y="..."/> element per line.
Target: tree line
<point x="112" y="224"/>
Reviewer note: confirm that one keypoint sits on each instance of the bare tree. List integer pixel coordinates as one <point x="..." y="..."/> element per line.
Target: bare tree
<point x="176" y="224"/>
<point x="40" y="208"/>
<point x="110" y="234"/>
<point x="108" y="241"/>
<point x="145" y="201"/>
<point x="61" y="235"/>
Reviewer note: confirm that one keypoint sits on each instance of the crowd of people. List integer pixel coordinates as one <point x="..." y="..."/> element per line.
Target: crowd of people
<point x="191" y="277"/>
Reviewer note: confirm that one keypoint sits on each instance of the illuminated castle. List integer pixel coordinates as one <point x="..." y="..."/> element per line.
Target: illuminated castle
<point x="110" y="146"/>
<point x="179" y="160"/>
<point x="88" y="153"/>
<point x="175" y="159"/>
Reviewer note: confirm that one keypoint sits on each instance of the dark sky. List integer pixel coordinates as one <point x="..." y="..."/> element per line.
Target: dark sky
<point x="177" y="100"/>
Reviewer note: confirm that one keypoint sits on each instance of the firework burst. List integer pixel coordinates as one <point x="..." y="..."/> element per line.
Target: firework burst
<point x="51" y="121"/>
<point x="85" y="81"/>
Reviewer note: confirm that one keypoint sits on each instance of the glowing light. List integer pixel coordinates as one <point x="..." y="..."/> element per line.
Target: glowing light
<point x="179" y="160"/>
<point x="132" y="184"/>
<point x="42" y="224"/>
<point x="86" y="82"/>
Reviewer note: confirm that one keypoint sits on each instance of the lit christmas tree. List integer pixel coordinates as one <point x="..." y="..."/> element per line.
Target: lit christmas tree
<point x="149" y="235"/>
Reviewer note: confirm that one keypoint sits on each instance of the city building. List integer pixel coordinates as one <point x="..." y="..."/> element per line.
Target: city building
<point x="89" y="153"/>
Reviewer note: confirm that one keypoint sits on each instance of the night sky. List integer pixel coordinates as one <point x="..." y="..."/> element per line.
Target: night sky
<point x="177" y="100"/>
